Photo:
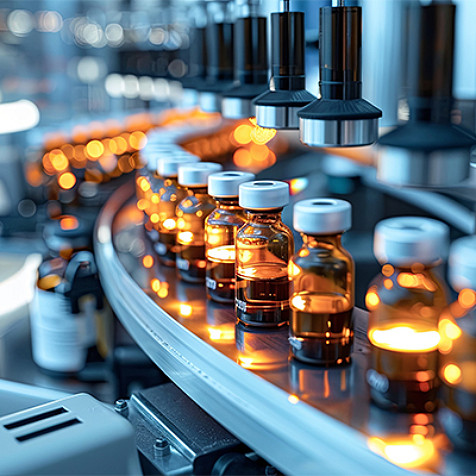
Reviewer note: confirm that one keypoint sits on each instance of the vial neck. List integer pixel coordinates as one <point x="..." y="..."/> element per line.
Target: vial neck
<point x="168" y="181"/>
<point x="200" y="190"/>
<point x="269" y="217"/>
<point x="414" y="268"/>
<point x="322" y="241"/>
<point x="228" y="203"/>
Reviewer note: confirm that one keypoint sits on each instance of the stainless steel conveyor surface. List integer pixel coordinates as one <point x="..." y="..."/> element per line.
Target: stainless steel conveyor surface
<point x="303" y="419"/>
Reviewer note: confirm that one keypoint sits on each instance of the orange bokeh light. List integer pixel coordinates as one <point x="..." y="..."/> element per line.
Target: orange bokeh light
<point x="58" y="160"/>
<point x="242" y="158"/>
<point x="67" y="180"/>
<point x="148" y="261"/>
<point x="137" y="140"/>
<point x="242" y="134"/>
<point x="467" y="298"/>
<point x="69" y="223"/>
<point x="94" y="149"/>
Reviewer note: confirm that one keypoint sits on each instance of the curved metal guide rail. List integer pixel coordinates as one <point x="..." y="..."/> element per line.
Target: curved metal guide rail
<point x="303" y="419"/>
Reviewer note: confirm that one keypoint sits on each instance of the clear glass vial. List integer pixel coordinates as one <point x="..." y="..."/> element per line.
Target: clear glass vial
<point x="191" y="214"/>
<point x="220" y="232"/>
<point x="263" y="246"/>
<point x="405" y="302"/>
<point x="171" y="195"/>
<point x="322" y="272"/>
<point x="458" y="348"/>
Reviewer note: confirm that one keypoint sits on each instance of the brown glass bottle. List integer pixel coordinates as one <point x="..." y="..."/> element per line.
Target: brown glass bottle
<point x="405" y="302"/>
<point x="264" y="245"/>
<point x="323" y="277"/>
<point x="457" y="349"/>
<point x="221" y="227"/>
<point x="191" y="214"/>
<point x="171" y="195"/>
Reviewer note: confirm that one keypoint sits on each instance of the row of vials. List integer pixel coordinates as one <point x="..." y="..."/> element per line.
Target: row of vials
<point x="224" y="228"/>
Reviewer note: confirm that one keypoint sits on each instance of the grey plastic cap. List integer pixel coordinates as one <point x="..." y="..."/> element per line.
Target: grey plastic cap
<point x="168" y="166"/>
<point x="196" y="175"/>
<point x="263" y="195"/>
<point x="410" y="240"/>
<point x="462" y="263"/>
<point x="226" y="184"/>
<point x="322" y="216"/>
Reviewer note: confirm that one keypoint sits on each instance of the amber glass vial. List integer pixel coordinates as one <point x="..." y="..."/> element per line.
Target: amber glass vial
<point x="458" y="348"/>
<point x="220" y="232"/>
<point x="191" y="214"/>
<point x="322" y="272"/>
<point x="148" y="181"/>
<point x="171" y="195"/>
<point x="264" y="246"/>
<point x="405" y="302"/>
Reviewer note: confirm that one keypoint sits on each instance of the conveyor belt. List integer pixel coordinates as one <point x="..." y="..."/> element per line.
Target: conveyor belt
<point x="303" y="419"/>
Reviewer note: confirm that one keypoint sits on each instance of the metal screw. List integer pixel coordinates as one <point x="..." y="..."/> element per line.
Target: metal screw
<point x="270" y="471"/>
<point x="161" y="447"/>
<point x="121" y="407"/>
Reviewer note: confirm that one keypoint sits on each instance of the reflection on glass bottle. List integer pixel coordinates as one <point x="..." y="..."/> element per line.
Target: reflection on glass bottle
<point x="220" y="231"/>
<point x="405" y="302"/>
<point x="264" y="348"/>
<point x="191" y="214"/>
<point x="264" y="245"/>
<point x="323" y="276"/>
<point x="406" y="440"/>
<point x="458" y="348"/>
<point x="170" y="196"/>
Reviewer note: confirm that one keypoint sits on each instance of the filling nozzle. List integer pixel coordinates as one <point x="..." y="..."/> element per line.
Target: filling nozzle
<point x="220" y="56"/>
<point x="251" y="65"/>
<point x="340" y="117"/>
<point x="429" y="150"/>
<point x="277" y="108"/>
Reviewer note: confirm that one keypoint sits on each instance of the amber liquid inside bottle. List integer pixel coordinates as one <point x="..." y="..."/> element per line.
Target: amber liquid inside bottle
<point x="192" y="212"/>
<point x="404" y="309"/>
<point x="171" y="195"/>
<point x="323" y="301"/>
<point x="220" y="231"/>
<point x="458" y="370"/>
<point x="264" y="246"/>
<point x="221" y="273"/>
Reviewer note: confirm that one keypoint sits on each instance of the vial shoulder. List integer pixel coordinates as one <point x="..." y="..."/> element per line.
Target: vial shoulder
<point x="226" y="218"/>
<point x="265" y="232"/>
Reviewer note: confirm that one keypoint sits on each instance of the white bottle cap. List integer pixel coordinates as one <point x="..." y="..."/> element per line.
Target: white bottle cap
<point x="196" y="175"/>
<point x="462" y="263"/>
<point x="322" y="216"/>
<point x="263" y="195"/>
<point x="226" y="184"/>
<point x="168" y="166"/>
<point x="153" y="154"/>
<point x="410" y="240"/>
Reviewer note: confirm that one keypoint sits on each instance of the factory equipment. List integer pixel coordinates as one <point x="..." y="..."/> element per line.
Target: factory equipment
<point x="232" y="351"/>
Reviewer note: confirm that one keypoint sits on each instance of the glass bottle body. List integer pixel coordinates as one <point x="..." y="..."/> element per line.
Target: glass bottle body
<point x="148" y="189"/>
<point x="171" y="196"/>
<point x="191" y="214"/>
<point x="404" y="305"/>
<point x="264" y="245"/>
<point x="322" y="302"/>
<point x="221" y="227"/>
<point x="458" y="370"/>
